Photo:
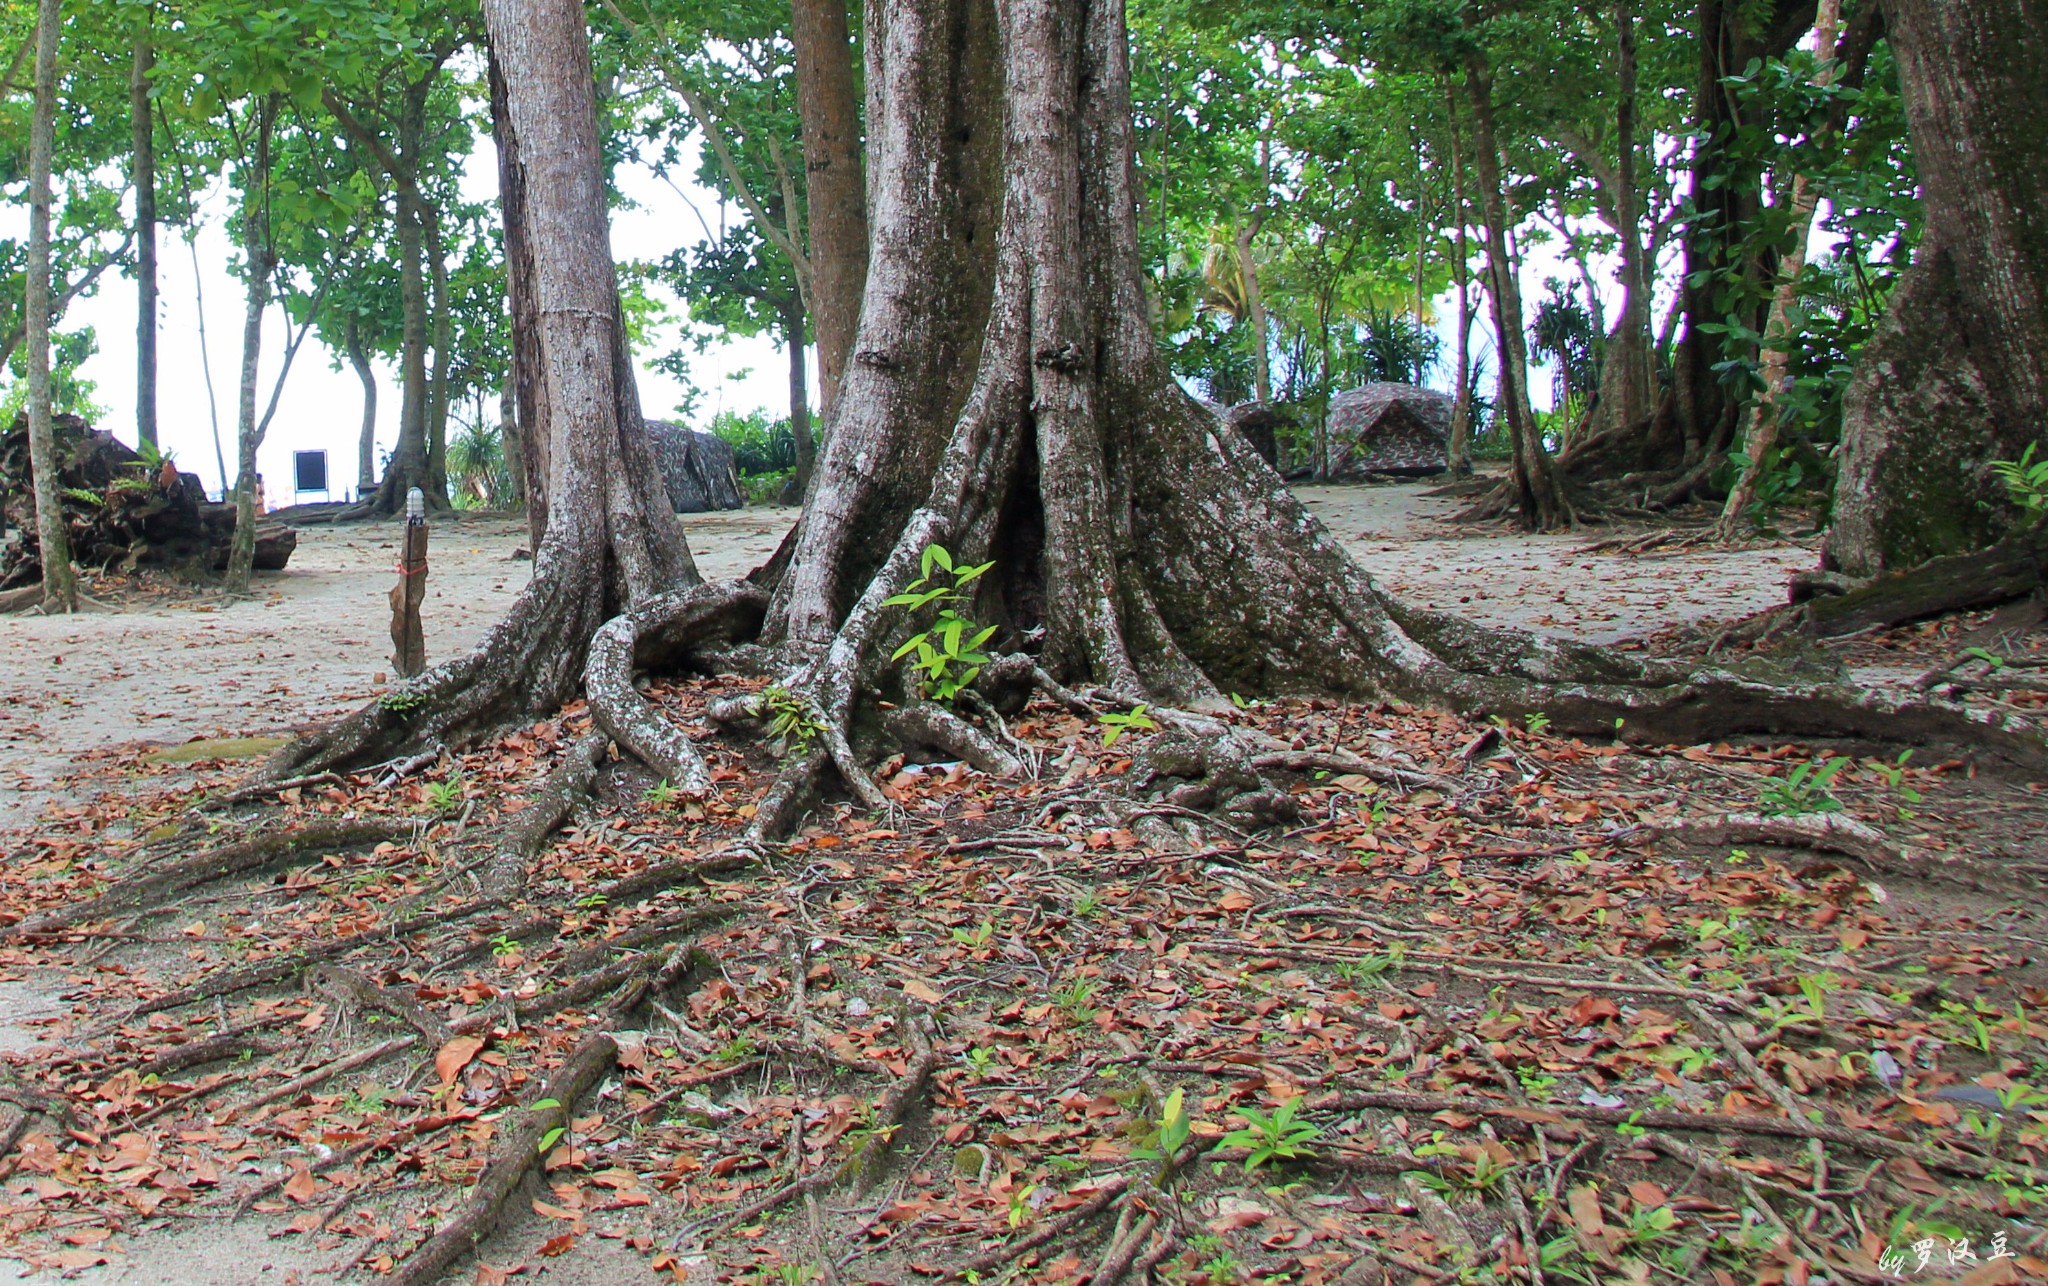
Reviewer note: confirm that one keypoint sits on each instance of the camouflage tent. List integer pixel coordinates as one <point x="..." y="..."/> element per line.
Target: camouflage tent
<point x="1389" y="429"/>
<point x="698" y="468"/>
<point x="1257" y="423"/>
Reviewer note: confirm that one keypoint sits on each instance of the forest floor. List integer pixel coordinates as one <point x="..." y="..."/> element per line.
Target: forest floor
<point x="1721" y="1013"/>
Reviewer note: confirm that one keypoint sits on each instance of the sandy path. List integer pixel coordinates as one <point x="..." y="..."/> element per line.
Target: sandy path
<point x="314" y="642"/>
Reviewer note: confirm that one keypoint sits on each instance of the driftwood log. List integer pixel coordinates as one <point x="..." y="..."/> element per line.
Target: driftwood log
<point x="123" y="511"/>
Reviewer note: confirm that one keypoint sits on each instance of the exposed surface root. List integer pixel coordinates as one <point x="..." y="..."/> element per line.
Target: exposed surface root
<point x="664" y="628"/>
<point x="517" y="1152"/>
<point x="1835" y="833"/>
<point x="244" y="857"/>
<point x="505" y="874"/>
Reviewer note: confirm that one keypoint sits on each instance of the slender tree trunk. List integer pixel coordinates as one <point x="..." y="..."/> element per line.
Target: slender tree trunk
<point x="1627" y="382"/>
<point x="1460" y="451"/>
<point x="366" y="441"/>
<point x="1760" y="433"/>
<point x="799" y="395"/>
<point x="1954" y="377"/>
<point x="444" y="357"/>
<point x="411" y="460"/>
<point x="514" y="444"/>
<point x="143" y="176"/>
<point x="258" y="262"/>
<point x="1541" y="498"/>
<point x="60" y="588"/>
<point x="835" y="186"/>
<point x="1255" y="310"/>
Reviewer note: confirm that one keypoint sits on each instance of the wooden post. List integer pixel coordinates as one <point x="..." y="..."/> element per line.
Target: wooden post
<point x="408" y="638"/>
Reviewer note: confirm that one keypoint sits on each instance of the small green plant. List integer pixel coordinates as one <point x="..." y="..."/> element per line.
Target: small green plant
<point x="1536" y="721"/>
<point x="1536" y="1085"/>
<point x="1368" y="969"/>
<point x="1218" y="1264"/>
<point x="734" y="1050"/>
<point x="1169" y="1133"/>
<point x="1803" y="790"/>
<point x="1086" y="903"/>
<point x="85" y="496"/>
<point x="502" y="946"/>
<point x="1275" y="1137"/>
<point x="661" y="794"/>
<point x="948" y="655"/>
<point x="401" y="701"/>
<point x="1074" y="997"/>
<point x="981" y="1060"/>
<point x="1020" y="1205"/>
<point x="1116" y="725"/>
<point x="978" y="937"/>
<point x="591" y="902"/>
<point x="443" y="796"/>
<point x="2026" y="482"/>
<point x="792" y="722"/>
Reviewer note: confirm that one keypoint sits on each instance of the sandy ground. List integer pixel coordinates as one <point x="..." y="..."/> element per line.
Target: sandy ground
<point x="315" y="641"/>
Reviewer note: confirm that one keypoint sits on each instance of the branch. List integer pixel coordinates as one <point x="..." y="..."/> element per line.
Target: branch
<point x="715" y="137"/>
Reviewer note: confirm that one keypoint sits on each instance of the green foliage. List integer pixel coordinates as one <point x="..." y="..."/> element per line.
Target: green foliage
<point x="793" y="723"/>
<point x="1803" y="790"/>
<point x="2026" y="482"/>
<point x="1115" y="725"/>
<point x="1275" y="1137"/>
<point x="947" y="655"/>
<point x="444" y="796"/>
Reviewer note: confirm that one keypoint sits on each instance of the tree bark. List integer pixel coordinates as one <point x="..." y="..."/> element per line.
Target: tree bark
<point x="60" y="588"/>
<point x="1760" y="432"/>
<point x="524" y="389"/>
<point x="258" y="262"/>
<point x="1954" y="377"/>
<point x="835" y="187"/>
<point x="1540" y="497"/>
<point x="366" y="441"/>
<point x="142" y="175"/>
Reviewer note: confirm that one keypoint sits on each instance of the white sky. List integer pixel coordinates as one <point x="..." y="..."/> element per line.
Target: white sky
<point x="322" y="404"/>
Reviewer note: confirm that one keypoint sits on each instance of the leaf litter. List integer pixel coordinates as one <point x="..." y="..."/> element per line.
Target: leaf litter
<point x="1493" y="1007"/>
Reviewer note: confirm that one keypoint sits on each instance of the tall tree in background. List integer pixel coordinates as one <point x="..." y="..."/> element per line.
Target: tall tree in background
<point x="1955" y="377"/>
<point x="142" y="174"/>
<point x="60" y="588"/>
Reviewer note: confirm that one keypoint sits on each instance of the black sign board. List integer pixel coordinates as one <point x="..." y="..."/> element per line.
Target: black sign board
<point x="309" y="468"/>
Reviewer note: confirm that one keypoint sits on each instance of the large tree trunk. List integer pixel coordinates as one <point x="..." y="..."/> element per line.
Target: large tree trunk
<point x="1541" y="498"/>
<point x="611" y="542"/>
<point x="366" y="440"/>
<point x="60" y="589"/>
<point x="258" y="262"/>
<point x="143" y="175"/>
<point x="1008" y="401"/>
<point x="835" y="188"/>
<point x="522" y="394"/>
<point x="1955" y="377"/>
